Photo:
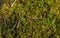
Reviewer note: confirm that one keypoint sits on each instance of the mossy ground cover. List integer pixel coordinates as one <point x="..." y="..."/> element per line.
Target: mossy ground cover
<point x="30" y="19"/>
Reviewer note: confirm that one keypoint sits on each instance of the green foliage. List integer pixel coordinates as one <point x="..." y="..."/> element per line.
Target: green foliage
<point x="30" y="19"/>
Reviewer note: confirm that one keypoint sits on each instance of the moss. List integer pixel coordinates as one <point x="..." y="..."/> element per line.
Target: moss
<point x="30" y="19"/>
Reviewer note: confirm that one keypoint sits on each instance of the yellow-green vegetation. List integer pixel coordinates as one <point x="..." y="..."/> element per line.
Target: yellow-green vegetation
<point x="29" y="18"/>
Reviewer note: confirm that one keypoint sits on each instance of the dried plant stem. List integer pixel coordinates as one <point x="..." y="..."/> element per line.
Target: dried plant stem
<point x="34" y="18"/>
<point x="13" y="3"/>
<point x="17" y="21"/>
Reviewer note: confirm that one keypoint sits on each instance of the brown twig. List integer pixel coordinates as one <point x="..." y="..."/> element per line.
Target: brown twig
<point x="17" y="21"/>
<point x="34" y="18"/>
<point x="13" y="3"/>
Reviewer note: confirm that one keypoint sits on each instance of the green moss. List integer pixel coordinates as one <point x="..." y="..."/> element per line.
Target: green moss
<point x="30" y="19"/>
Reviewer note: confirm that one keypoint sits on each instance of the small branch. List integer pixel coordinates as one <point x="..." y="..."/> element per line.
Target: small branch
<point x="14" y="26"/>
<point x="13" y="3"/>
<point x="17" y="22"/>
<point x="34" y="18"/>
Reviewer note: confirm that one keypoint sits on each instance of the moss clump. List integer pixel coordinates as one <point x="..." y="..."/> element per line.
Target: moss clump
<point x="30" y="19"/>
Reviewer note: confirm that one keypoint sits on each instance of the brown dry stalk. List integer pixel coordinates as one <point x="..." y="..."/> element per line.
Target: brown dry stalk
<point x="34" y="18"/>
<point x="13" y="3"/>
<point x="17" y="22"/>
